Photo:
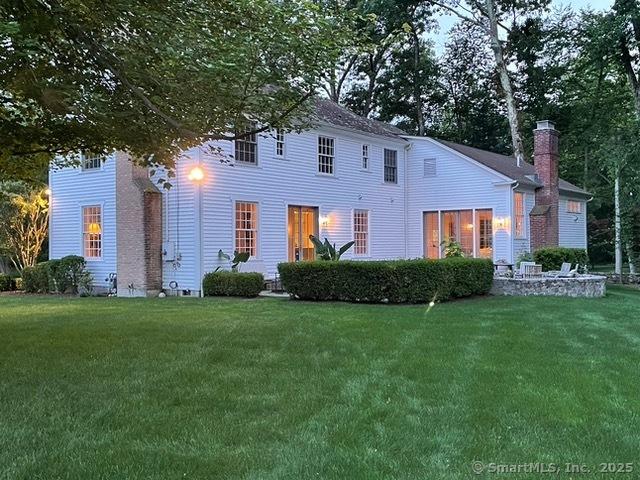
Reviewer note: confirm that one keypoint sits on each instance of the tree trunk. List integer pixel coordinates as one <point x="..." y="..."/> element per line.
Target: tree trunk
<point x="505" y="83"/>
<point x="416" y="84"/>
<point x="618" y="224"/>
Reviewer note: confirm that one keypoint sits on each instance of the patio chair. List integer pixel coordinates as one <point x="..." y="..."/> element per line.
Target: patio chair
<point x="565" y="269"/>
<point x="526" y="268"/>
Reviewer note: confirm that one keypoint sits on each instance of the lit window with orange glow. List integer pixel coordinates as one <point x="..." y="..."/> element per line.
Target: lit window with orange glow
<point x="92" y="232"/>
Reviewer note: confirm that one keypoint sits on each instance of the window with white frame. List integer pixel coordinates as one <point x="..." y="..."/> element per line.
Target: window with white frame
<point x="247" y="146"/>
<point x="92" y="232"/>
<point x="361" y="232"/>
<point x="326" y="155"/>
<point x="247" y="228"/>
<point x="429" y="167"/>
<point x="390" y="166"/>
<point x="573" y="206"/>
<point x="279" y="142"/>
<point x="518" y="213"/>
<point x="91" y="161"/>
<point x="365" y="157"/>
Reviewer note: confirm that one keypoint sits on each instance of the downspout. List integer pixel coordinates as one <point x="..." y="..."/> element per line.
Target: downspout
<point x="406" y="198"/>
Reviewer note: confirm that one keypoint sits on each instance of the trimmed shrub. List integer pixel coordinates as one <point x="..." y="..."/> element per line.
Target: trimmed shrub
<point x="233" y="284"/>
<point x="552" y="258"/>
<point x="397" y="281"/>
<point x="36" y="279"/>
<point x="68" y="272"/>
<point x="6" y="283"/>
<point x="18" y="283"/>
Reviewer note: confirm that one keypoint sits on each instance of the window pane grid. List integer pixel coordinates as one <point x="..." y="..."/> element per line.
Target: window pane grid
<point x="361" y="232"/>
<point x="280" y="142"/>
<point x="91" y="161"/>
<point x="390" y="166"/>
<point x="365" y="157"/>
<point x="325" y="155"/>
<point x="247" y="147"/>
<point x="247" y="227"/>
<point x="574" y="206"/>
<point x="92" y="232"/>
<point x="519" y="214"/>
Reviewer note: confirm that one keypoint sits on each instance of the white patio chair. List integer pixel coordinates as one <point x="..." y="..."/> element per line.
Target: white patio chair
<point x="526" y="268"/>
<point x="565" y="270"/>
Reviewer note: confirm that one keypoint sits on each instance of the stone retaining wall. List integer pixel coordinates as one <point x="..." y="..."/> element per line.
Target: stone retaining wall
<point x="591" y="286"/>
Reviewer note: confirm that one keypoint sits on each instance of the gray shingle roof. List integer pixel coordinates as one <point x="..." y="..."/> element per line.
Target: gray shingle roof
<point x="507" y="166"/>
<point x="330" y="112"/>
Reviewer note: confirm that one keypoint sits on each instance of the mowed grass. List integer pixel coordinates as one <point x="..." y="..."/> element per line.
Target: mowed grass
<point x="274" y="389"/>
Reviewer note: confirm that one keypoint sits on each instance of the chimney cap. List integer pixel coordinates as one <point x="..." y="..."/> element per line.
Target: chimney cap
<point x="545" y="125"/>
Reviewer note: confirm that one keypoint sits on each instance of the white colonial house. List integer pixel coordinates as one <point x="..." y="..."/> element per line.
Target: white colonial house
<point x="348" y="178"/>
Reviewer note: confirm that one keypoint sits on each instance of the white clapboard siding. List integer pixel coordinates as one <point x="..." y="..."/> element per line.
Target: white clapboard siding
<point x="573" y="226"/>
<point x="71" y="189"/>
<point x="459" y="184"/>
<point x="276" y="183"/>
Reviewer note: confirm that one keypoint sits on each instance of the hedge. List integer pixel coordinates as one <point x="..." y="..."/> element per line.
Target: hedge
<point x="60" y="275"/>
<point x="552" y="258"/>
<point x="36" y="279"/>
<point x="6" y="283"/>
<point x="397" y="281"/>
<point x="233" y="284"/>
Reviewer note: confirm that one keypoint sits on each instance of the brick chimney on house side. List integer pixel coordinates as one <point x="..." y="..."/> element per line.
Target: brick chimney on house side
<point x="544" y="216"/>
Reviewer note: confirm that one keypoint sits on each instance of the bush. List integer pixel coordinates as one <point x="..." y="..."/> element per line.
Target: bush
<point x="232" y="284"/>
<point x="6" y="283"/>
<point x="61" y="275"/>
<point x="552" y="258"/>
<point x="398" y="281"/>
<point x="36" y="279"/>
<point x="18" y="283"/>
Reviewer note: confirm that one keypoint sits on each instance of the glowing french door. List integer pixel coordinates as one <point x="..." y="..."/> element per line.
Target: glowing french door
<point x="301" y="223"/>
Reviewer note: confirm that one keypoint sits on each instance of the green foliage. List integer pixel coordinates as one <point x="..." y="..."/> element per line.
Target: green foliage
<point x="233" y="284"/>
<point x="154" y="78"/>
<point x="65" y="275"/>
<point x="327" y="251"/>
<point x="36" y="279"/>
<point x="552" y="258"/>
<point x="453" y="249"/>
<point x="19" y="284"/>
<point x="6" y="283"/>
<point x="398" y="281"/>
<point x="24" y="210"/>
<point x="524" y="257"/>
<point x="238" y="258"/>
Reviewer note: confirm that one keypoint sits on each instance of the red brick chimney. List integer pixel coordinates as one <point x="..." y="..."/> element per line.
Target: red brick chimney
<point x="544" y="216"/>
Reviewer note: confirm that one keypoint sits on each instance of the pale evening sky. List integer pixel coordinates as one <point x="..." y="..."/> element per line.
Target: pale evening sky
<point x="446" y="21"/>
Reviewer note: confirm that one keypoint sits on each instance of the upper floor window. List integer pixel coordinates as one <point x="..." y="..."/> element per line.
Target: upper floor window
<point x="91" y="161"/>
<point x="247" y="227"/>
<point x="326" y="155"/>
<point x="365" y="157"/>
<point x="92" y="232"/>
<point x="430" y="167"/>
<point x="390" y="166"/>
<point x="573" y="206"/>
<point x="279" y="142"/>
<point x="518" y="212"/>
<point x="361" y="232"/>
<point x="247" y="146"/>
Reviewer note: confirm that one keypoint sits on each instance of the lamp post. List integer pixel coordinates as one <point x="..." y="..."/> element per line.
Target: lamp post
<point x="197" y="176"/>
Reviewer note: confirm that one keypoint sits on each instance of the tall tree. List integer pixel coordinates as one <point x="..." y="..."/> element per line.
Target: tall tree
<point x="497" y="19"/>
<point x="152" y="78"/>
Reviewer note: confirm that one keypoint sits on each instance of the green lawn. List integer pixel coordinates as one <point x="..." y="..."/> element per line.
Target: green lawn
<point x="270" y="389"/>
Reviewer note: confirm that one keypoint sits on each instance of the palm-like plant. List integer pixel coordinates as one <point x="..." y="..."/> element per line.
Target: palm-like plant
<point x="328" y="251"/>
